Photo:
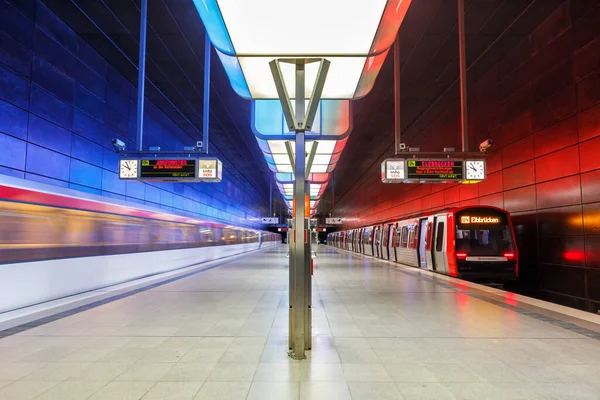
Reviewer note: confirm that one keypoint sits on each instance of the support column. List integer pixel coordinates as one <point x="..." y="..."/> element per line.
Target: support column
<point x="206" y="94"/>
<point x="299" y="301"/>
<point x="397" y="128"/>
<point x="141" y="76"/>
<point x="463" y="75"/>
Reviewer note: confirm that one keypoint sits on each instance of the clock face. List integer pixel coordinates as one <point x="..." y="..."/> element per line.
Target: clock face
<point x="475" y="169"/>
<point x="128" y="169"/>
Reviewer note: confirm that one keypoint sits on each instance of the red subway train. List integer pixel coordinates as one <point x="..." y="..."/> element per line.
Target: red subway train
<point x="473" y="243"/>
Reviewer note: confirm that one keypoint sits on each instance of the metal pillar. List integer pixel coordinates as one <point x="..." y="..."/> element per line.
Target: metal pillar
<point x="397" y="128"/>
<point x="206" y="104"/>
<point x="463" y="75"/>
<point x="270" y="197"/>
<point x="300" y="325"/>
<point x="300" y="121"/>
<point x="141" y="76"/>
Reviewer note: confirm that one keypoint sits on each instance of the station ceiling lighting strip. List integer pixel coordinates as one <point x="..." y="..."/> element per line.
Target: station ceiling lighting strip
<point x="354" y="35"/>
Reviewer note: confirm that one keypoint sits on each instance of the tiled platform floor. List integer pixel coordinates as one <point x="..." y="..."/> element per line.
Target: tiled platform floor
<point x="381" y="333"/>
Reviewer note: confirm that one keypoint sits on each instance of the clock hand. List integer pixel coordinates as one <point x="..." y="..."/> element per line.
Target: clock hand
<point x="473" y="168"/>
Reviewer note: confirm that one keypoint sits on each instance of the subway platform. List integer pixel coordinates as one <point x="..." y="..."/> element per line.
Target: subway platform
<point x="381" y="332"/>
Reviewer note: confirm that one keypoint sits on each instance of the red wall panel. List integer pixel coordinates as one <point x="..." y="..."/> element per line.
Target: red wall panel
<point x="469" y="191"/>
<point x="518" y="152"/>
<point x="556" y="137"/>
<point x="495" y="200"/>
<point x="558" y="164"/>
<point x="589" y="155"/>
<point x="518" y="176"/>
<point x="589" y="123"/>
<point x="492" y="184"/>
<point x="452" y="195"/>
<point x="522" y="199"/>
<point x="590" y="186"/>
<point x="559" y="192"/>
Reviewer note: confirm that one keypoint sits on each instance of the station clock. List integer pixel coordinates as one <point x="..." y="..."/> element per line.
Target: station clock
<point x="128" y="169"/>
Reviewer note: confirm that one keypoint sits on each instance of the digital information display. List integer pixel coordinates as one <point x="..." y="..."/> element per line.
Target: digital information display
<point x="176" y="169"/>
<point x="434" y="170"/>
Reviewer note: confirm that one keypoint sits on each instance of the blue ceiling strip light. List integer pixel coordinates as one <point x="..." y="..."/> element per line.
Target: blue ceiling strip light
<point x="215" y="25"/>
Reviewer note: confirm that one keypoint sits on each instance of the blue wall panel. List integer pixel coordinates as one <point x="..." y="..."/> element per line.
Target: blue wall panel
<point x="47" y="163"/>
<point x="51" y="108"/>
<point x="12" y="152"/>
<point x="13" y="120"/>
<point x="13" y="88"/>
<point x="112" y="183"/>
<point x="87" y="151"/>
<point x="61" y="104"/>
<point x="54" y="82"/>
<point x="49" y="135"/>
<point x="16" y="25"/>
<point x="86" y="174"/>
<point x="15" y="56"/>
<point x="45" y="179"/>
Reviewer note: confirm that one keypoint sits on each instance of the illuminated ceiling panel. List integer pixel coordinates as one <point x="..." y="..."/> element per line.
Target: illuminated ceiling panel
<point x="354" y="35"/>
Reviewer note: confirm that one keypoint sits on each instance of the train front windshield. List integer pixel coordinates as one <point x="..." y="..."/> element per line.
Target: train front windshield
<point x="483" y="232"/>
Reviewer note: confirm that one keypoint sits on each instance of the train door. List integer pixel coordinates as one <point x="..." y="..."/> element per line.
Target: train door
<point x="390" y="242"/>
<point x="385" y="231"/>
<point x="422" y="253"/>
<point x="382" y="244"/>
<point x="361" y="239"/>
<point x="379" y="241"/>
<point x="438" y="245"/>
<point x="376" y="241"/>
<point x="429" y="244"/>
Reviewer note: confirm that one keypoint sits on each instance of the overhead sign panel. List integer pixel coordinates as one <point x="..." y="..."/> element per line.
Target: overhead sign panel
<point x="270" y="220"/>
<point x="171" y="169"/>
<point x="334" y="221"/>
<point x="434" y="170"/>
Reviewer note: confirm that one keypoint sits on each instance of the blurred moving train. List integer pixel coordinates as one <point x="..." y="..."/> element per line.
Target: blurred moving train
<point x="473" y="243"/>
<point x="58" y="242"/>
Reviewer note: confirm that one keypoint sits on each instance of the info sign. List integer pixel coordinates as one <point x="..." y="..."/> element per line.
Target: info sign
<point x="210" y="170"/>
<point x="434" y="170"/>
<point x="393" y="170"/>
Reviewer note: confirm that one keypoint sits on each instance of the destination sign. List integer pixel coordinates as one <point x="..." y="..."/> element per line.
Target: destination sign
<point x="434" y="170"/>
<point x="173" y="168"/>
<point x="466" y="219"/>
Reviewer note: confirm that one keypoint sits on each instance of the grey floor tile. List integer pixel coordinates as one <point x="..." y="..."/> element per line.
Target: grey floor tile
<point x="374" y="391"/>
<point x="324" y="391"/>
<point x="274" y="391"/>
<point x="173" y="391"/>
<point x="223" y="391"/>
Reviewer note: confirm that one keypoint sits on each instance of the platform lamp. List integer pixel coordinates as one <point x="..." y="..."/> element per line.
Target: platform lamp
<point x="309" y="49"/>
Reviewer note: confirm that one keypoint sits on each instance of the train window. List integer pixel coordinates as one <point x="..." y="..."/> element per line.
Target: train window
<point x="404" y="237"/>
<point x="428" y="239"/>
<point x="385" y="235"/>
<point x="415" y="237"/>
<point x="482" y="242"/>
<point x="439" y="238"/>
